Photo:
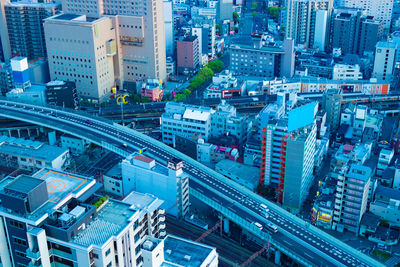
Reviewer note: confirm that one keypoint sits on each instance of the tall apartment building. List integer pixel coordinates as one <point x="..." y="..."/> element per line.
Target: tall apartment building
<point x="299" y="166"/>
<point x="301" y="20"/>
<point x="270" y="61"/>
<point x="141" y="36"/>
<point x="281" y="164"/>
<point x="380" y="9"/>
<point x="354" y="33"/>
<point x="84" y="53"/>
<point x="384" y="64"/>
<point x="169" y="28"/>
<point x="204" y="29"/>
<point x="142" y="174"/>
<point x="52" y="218"/>
<point x="63" y="94"/>
<point x="331" y="102"/>
<point x="25" y="27"/>
<point x="187" y="50"/>
<point x="351" y="197"/>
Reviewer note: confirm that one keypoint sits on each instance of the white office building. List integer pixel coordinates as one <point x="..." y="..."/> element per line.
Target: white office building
<point x="142" y="174"/>
<point x="169" y="28"/>
<point x="347" y="72"/>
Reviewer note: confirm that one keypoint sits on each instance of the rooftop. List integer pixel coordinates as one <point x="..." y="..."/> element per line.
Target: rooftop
<point x="29" y="149"/>
<point x="248" y="173"/>
<point x="24" y="184"/>
<point x="388" y="192"/>
<point x="111" y="220"/>
<point x="60" y="186"/>
<point x="359" y="172"/>
<point x="141" y="201"/>
<point x="183" y="252"/>
<point x="143" y="158"/>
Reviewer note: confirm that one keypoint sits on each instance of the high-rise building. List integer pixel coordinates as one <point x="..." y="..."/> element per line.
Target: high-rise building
<point x="187" y="54"/>
<point x="302" y="21"/>
<point x="380" y="9"/>
<point x="141" y="37"/>
<point x="6" y="78"/>
<point x="204" y="29"/>
<point x="351" y="197"/>
<point x="5" y="50"/>
<point x="331" y="102"/>
<point x="354" y="33"/>
<point x="169" y="28"/>
<point x="281" y="164"/>
<point x="299" y="167"/>
<point x="384" y="64"/>
<point x="83" y="54"/>
<point x="25" y="27"/>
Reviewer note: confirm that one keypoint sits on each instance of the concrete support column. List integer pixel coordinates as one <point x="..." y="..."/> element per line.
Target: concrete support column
<point x="226" y="226"/>
<point x="37" y="131"/>
<point x="9" y="133"/>
<point x="19" y="133"/>
<point x="29" y="132"/>
<point x="277" y="257"/>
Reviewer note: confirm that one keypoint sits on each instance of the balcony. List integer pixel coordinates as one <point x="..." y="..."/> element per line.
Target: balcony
<point x="35" y="255"/>
<point x="162" y="233"/>
<point x="162" y="226"/>
<point x="161" y="219"/>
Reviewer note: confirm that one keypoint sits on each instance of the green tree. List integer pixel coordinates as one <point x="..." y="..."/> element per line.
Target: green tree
<point x="254" y="14"/>
<point x="145" y="99"/>
<point x="206" y="73"/>
<point x="254" y="5"/>
<point x="216" y="65"/>
<point x="196" y="82"/>
<point x="218" y="28"/>
<point x="187" y="92"/>
<point x="235" y="17"/>
<point x="179" y="97"/>
<point x="135" y="98"/>
<point x="273" y="12"/>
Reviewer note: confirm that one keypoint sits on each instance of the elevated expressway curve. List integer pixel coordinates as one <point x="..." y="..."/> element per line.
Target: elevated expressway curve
<point x="303" y="242"/>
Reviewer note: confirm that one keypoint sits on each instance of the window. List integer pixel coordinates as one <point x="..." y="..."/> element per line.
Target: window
<point x="108" y="252"/>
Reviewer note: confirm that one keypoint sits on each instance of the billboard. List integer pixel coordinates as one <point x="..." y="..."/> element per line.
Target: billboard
<point x="301" y="116"/>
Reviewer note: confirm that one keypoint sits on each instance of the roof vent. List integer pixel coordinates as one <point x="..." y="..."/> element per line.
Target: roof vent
<point x="187" y="257"/>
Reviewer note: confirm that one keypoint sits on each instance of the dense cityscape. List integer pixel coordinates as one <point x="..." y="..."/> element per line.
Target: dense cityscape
<point x="157" y="133"/>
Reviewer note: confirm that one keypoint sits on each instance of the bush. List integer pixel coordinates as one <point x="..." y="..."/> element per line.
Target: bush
<point x="100" y="201"/>
<point x="381" y="255"/>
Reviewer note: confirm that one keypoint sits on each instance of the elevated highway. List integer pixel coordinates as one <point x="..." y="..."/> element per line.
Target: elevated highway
<point x="296" y="238"/>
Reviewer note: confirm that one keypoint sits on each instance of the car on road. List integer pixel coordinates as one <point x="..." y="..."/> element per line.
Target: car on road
<point x="88" y="122"/>
<point x="259" y="226"/>
<point x="263" y="206"/>
<point x="272" y="227"/>
<point x="124" y="145"/>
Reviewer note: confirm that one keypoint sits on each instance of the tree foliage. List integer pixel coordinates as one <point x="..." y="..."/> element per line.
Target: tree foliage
<point x="254" y="5"/>
<point x="273" y="12"/>
<point x="216" y="65"/>
<point x="235" y="17"/>
<point x="254" y="14"/>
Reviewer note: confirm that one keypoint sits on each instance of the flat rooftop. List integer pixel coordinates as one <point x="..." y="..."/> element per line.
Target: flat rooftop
<point x="24" y="184"/>
<point x="184" y="252"/>
<point x="60" y="186"/>
<point x="29" y="149"/>
<point x="141" y="201"/>
<point x="110" y="221"/>
<point x="247" y="173"/>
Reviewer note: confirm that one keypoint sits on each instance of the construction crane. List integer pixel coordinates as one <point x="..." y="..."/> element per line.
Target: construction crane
<point x="209" y="231"/>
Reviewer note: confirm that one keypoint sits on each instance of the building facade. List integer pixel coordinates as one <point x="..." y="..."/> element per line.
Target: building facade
<point x="301" y="21"/>
<point x="187" y="54"/>
<point x="384" y="64"/>
<point x="25" y="27"/>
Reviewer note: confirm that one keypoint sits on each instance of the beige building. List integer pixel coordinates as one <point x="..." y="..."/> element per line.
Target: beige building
<point x="140" y="36"/>
<point x="83" y="53"/>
